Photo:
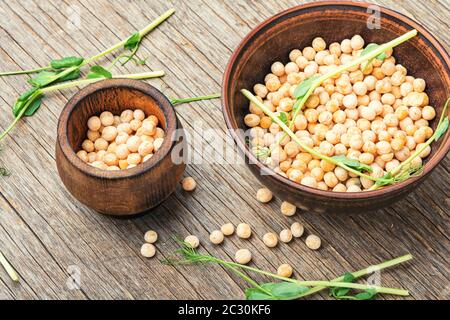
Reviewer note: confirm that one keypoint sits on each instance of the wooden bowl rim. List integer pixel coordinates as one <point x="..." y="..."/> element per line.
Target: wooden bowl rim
<point x="387" y="13"/>
<point x="163" y="103"/>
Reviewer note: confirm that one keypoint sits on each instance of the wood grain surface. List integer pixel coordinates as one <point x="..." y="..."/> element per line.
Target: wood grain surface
<point x="49" y="237"/>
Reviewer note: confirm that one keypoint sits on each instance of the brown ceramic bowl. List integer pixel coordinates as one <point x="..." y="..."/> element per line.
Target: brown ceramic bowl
<point x="272" y="41"/>
<point x="124" y="192"/>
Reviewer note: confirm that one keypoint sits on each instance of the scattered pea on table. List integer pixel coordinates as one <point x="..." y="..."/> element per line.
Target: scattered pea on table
<point x="285" y="270"/>
<point x="188" y="184"/>
<point x="216" y="237"/>
<point x="227" y="229"/>
<point x="270" y="239"/>
<point x="151" y="236"/>
<point x="243" y="231"/>
<point x="192" y="241"/>
<point x="313" y="242"/>
<point x="243" y="256"/>
<point x="148" y="250"/>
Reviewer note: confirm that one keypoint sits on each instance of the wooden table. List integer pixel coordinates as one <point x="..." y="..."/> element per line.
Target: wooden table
<point x="50" y="238"/>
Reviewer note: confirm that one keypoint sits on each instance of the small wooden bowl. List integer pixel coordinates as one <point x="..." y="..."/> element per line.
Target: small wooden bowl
<point x="124" y="192"/>
<point x="272" y="41"/>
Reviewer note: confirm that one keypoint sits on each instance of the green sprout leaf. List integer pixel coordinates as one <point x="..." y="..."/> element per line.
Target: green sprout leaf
<point x="66" y="62"/>
<point x="339" y="291"/>
<point x="442" y="129"/>
<point x="43" y="79"/>
<point x="27" y="94"/>
<point x="133" y="41"/>
<point x="283" y="117"/>
<point x="257" y="294"/>
<point x="287" y="290"/>
<point x="366" y="295"/>
<point x="386" y="180"/>
<point x="99" y="72"/>
<point x="369" y="48"/>
<point x="75" y="74"/>
<point x="33" y="106"/>
<point x="352" y="163"/>
<point x="303" y="88"/>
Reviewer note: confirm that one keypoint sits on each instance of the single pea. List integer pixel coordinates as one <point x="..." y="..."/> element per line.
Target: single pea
<point x="286" y="235"/>
<point x="88" y="145"/>
<point x="111" y="159"/>
<point x="94" y="123"/>
<point x="216" y="237"/>
<point x="93" y="135"/>
<point x="153" y="119"/>
<point x="91" y="157"/>
<point x="134" y="159"/>
<point x="188" y="184"/>
<point x="313" y="242"/>
<point x="270" y="239"/>
<point x="148" y="250"/>
<point x="135" y="124"/>
<point x="83" y="155"/>
<point x="138" y="114"/>
<point x="151" y="236"/>
<point x="122" y="151"/>
<point x="133" y="143"/>
<point x="145" y="148"/>
<point x="243" y="256"/>
<point x="288" y="209"/>
<point x="124" y="127"/>
<point x="192" y="241"/>
<point x="264" y="195"/>
<point x="109" y="133"/>
<point x="297" y="229"/>
<point x="243" y="231"/>
<point x="227" y="229"/>
<point x="122" y="138"/>
<point x="285" y="270"/>
<point x="107" y="118"/>
<point x="123" y="164"/>
<point x="126" y="116"/>
<point x="101" y="144"/>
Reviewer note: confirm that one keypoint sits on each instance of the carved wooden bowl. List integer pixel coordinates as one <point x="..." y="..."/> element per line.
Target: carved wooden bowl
<point x="272" y="41"/>
<point x="124" y="192"/>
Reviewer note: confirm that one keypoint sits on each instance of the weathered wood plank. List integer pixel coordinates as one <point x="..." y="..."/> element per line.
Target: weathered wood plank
<point x="44" y="230"/>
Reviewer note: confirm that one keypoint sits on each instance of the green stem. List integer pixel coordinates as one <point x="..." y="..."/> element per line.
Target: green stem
<point x="142" y="33"/>
<point x="67" y="85"/>
<point x="320" y="285"/>
<point x="363" y="272"/>
<point x="405" y="164"/>
<point x="136" y="76"/>
<point x="187" y="100"/>
<point x="19" y="116"/>
<point x="9" y="269"/>
<point x="11" y="73"/>
<point x="295" y="138"/>
<point x="248" y="279"/>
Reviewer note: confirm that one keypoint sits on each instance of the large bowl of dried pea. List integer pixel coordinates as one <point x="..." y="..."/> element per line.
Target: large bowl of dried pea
<point x="377" y="120"/>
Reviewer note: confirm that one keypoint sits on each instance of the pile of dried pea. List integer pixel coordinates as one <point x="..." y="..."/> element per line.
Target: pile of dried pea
<point x="377" y="114"/>
<point x="121" y="142"/>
